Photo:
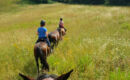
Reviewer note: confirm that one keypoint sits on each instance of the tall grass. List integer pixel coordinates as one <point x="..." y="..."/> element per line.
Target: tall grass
<point x="6" y="5"/>
<point x="97" y="44"/>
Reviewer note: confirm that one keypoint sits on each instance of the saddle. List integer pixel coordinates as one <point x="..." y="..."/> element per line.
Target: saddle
<point x="41" y="40"/>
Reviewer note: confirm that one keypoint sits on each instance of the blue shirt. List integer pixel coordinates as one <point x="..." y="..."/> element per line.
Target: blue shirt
<point x="42" y="32"/>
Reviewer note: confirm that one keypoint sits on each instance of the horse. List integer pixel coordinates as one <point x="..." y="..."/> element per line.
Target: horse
<point x="48" y="77"/>
<point x="62" y="31"/>
<point x="41" y="51"/>
<point x="56" y="36"/>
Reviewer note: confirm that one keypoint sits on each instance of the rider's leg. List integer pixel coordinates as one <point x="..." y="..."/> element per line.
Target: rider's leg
<point x="48" y="42"/>
<point x="37" y="40"/>
<point x="65" y="29"/>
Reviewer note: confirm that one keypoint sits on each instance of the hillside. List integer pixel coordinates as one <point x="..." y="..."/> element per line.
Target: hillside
<point x="97" y="44"/>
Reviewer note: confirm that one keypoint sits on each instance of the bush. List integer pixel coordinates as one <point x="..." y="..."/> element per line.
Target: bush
<point x="82" y="1"/>
<point x="37" y="1"/>
<point x="108" y="2"/>
<point x="117" y="2"/>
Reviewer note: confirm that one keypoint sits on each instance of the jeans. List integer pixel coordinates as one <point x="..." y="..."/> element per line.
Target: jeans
<point x="44" y="39"/>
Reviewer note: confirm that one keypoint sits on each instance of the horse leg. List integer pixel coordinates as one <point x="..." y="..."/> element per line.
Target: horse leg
<point x="44" y="63"/>
<point x="52" y="46"/>
<point x="61" y="35"/>
<point x="57" y="43"/>
<point x="36" y="59"/>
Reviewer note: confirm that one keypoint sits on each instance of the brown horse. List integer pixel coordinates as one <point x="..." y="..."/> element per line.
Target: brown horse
<point x="41" y="50"/>
<point x="62" y="31"/>
<point x="48" y="77"/>
<point x="56" y="36"/>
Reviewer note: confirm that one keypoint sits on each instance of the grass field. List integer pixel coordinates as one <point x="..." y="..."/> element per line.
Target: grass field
<point x="97" y="44"/>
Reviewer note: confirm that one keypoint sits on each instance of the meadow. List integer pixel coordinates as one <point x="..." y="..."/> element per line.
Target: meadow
<point x="96" y="46"/>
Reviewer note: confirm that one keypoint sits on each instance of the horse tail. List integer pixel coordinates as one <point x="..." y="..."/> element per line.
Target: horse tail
<point x="42" y="59"/>
<point x="36" y="54"/>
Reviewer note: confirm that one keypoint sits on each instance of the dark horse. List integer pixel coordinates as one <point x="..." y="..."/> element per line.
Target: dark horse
<point x="56" y="36"/>
<point x="48" y="77"/>
<point x="41" y="50"/>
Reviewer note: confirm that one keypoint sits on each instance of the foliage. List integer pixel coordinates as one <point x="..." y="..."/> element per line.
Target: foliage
<point x="108" y="2"/>
<point x="83" y="1"/>
<point x="37" y="1"/>
<point x="117" y="2"/>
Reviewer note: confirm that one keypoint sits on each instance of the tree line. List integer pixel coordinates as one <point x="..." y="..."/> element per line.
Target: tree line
<point x="106" y="2"/>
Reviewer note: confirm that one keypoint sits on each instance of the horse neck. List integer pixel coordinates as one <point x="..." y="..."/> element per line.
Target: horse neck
<point x="58" y="31"/>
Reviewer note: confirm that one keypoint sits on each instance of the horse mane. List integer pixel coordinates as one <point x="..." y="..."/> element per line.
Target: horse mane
<point x="44" y="75"/>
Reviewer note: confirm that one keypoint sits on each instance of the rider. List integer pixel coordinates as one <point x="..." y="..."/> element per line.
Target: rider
<point x="61" y="24"/>
<point x="42" y="33"/>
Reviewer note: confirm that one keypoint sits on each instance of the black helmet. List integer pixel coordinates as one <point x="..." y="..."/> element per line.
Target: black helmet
<point x="61" y="18"/>
<point x="42" y="23"/>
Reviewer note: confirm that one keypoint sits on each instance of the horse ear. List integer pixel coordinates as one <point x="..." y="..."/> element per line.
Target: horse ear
<point x="25" y="77"/>
<point x="64" y="76"/>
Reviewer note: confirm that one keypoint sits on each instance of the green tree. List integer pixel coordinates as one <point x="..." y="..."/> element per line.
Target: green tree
<point x="117" y="2"/>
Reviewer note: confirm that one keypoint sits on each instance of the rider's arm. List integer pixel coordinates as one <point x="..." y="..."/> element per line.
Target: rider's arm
<point x="47" y="34"/>
<point x="62" y="23"/>
<point x="37" y="33"/>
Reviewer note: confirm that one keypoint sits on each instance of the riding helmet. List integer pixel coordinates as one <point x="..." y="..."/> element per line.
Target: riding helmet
<point x="42" y="22"/>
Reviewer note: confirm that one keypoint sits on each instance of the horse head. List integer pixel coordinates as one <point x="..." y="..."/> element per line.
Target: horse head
<point x="48" y="77"/>
<point x="61" y="31"/>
